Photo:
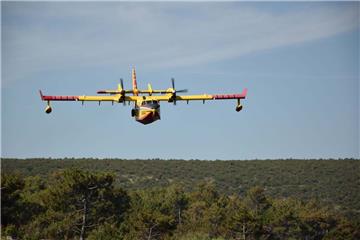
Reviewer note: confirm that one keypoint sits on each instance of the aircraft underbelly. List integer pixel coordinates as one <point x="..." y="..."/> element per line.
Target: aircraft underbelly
<point x="148" y="115"/>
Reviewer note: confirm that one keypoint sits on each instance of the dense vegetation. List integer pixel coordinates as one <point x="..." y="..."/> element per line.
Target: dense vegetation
<point x="157" y="199"/>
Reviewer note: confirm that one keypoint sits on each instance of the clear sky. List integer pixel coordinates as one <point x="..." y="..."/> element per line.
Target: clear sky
<point x="299" y="61"/>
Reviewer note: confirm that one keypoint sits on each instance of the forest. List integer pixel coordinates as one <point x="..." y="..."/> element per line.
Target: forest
<point x="178" y="199"/>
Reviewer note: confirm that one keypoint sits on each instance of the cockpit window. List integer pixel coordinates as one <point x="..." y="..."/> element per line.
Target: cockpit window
<point x="149" y="102"/>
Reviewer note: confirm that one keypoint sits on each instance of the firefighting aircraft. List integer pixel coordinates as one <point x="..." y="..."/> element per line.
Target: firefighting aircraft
<point x="146" y="102"/>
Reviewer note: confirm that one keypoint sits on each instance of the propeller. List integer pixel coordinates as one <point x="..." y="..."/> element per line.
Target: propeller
<point x="122" y="91"/>
<point x="175" y="91"/>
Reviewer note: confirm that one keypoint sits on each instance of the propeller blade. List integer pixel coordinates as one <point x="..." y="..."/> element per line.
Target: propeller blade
<point x="121" y="83"/>
<point x="182" y="90"/>
<point x="173" y="83"/>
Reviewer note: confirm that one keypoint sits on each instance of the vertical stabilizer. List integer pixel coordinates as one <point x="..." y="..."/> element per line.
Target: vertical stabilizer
<point x="134" y="83"/>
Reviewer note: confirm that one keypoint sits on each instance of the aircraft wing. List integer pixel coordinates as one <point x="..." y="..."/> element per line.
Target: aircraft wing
<point x="113" y="98"/>
<point x="171" y="97"/>
<point x="168" y="97"/>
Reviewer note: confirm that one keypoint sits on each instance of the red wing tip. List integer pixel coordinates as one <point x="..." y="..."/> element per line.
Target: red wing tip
<point x="244" y="93"/>
<point x="231" y="96"/>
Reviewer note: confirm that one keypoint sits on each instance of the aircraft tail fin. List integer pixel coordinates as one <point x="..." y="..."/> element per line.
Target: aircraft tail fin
<point x="134" y="83"/>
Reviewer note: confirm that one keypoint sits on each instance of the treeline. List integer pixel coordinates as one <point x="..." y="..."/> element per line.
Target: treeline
<point x="332" y="182"/>
<point x="80" y="204"/>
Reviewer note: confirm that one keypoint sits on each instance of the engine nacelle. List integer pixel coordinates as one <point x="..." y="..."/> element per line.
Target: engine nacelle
<point x="48" y="109"/>
<point x="239" y="108"/>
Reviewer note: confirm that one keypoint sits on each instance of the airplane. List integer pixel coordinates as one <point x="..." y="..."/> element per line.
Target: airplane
<point x="146" y="108"/>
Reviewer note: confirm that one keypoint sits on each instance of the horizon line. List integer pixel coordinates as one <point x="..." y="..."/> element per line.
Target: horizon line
<point x="176" y="159"/>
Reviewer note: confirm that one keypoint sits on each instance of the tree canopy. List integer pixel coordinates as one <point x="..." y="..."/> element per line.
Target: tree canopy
<point x="82" y="204"/>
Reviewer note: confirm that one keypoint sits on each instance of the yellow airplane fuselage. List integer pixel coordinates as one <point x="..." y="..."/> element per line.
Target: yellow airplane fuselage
<point x="146" y="112"/>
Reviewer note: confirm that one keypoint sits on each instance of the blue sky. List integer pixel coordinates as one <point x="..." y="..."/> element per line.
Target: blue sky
<point x="299" y="61"/>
